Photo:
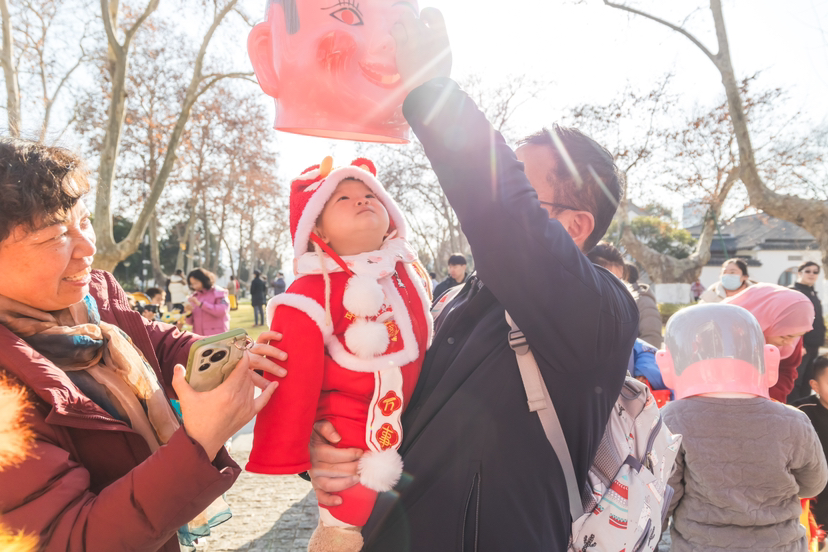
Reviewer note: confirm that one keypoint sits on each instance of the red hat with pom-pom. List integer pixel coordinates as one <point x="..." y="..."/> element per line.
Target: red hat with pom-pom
<point x="312" y="189"/>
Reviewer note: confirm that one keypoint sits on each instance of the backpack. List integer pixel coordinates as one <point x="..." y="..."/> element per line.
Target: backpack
<point x="625" y="501"/>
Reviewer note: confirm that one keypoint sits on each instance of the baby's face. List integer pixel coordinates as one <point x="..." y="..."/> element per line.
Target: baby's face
<point x="353" y="221"/>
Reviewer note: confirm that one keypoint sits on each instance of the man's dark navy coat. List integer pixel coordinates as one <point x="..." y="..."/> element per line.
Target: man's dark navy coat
<point x="479" y="472"/>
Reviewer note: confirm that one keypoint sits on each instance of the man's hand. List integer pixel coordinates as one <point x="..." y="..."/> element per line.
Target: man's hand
<point x="333" y="469"/>
<point x="212" y="417"/>
<point x="423" y="50"/>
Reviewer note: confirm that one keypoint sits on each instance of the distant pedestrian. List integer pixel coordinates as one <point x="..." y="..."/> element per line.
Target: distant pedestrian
<point x="178" y="290"/>
<point x="649" y="317"/>
<point x="744" y="460"/>
<point x="208" y="305"/>
<point x="232" y="293"/>
<point x="806" y="279"/>
<point x="456" y="275"/>
<point x="734" y="279"/>
<point x="434" y="282"/>
<point x="279" y="284"/>
<point x="258" y="297"/>
<point x="697" y="288"/>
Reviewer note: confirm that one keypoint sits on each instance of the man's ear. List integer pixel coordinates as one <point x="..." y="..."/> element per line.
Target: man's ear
<point x="260" y="50"/>
<point x="578" y="224"/>
<point x="813" y="385"/>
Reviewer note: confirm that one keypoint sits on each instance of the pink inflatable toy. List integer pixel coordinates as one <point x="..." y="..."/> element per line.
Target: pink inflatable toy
<point x="716" y="348"/>
<point x="330" y="65"/>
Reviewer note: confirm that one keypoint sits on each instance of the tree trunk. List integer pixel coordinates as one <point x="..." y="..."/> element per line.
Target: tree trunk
<point x="155" y="253"/>
<point x="812" y="215"/>
<point x="10" y="72"/>
<point x="184" y="239"/>
<point x="110" y="252"/>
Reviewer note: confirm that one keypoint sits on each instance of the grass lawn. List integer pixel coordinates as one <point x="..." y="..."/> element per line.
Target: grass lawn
<point x="243" y="318"/>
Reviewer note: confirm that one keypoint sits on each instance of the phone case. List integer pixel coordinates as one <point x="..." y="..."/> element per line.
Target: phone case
<point x="213" y="358"/>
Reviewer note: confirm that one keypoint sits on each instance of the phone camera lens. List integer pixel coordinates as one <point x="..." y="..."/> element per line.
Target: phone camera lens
<point x="207" y="353"/>
<point x="218" y="356"/>
<point x="203" y="367"/>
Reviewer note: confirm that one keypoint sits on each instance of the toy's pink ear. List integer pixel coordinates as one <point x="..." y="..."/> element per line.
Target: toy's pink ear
<point x="366" y="164"/>
<point x="664" y="360"/>
<point x="260" y="50"/>
<point x="771" y="364"/>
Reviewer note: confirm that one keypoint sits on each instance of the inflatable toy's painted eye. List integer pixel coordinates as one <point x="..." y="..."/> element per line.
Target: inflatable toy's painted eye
<point x="348" y="15"/>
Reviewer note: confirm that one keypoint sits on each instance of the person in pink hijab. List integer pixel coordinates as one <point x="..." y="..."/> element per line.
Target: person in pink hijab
<point x="784" y="319"/>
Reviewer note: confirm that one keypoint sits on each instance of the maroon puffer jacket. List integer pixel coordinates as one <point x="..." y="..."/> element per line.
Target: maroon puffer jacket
<point x="90" y="482"/>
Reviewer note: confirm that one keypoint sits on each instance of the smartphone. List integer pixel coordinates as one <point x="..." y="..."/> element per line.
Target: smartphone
<point x="212" y="359"/>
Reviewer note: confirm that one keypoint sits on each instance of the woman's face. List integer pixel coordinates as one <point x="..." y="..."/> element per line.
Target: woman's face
<point x="196" y="285"/>
<point x="49" y="268"/>
<point x="732" y="268"/>
<point x="782" y="340"/>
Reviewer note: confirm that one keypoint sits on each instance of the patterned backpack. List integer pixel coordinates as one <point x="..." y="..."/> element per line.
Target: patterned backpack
<point x="624" y="504"/>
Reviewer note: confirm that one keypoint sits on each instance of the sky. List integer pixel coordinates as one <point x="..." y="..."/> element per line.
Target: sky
<point x="591" y="52"/>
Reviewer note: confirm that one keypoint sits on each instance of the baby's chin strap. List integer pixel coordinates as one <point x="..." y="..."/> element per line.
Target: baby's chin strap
<point x="321" y="246"/>
<point x="331" y="253"/>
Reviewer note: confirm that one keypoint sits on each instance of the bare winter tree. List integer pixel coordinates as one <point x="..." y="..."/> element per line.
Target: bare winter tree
<point x="45" y="42"/>
<point x="811" y="214"/>
<point x="117" y="70"/>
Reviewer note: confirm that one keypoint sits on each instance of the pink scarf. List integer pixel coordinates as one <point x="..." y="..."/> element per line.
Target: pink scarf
<point x="779" y="310"/>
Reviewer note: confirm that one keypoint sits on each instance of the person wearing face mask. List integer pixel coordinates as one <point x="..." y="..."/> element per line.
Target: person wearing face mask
<point x="806" y="278"/>
<point x="784" y="316"/>
<point x="734" y="279"/>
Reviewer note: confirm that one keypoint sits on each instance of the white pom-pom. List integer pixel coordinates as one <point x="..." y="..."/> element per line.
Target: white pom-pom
<point x="363" y="296"/>
<point x="380" y="471"/>
<point x="367" y="339"/>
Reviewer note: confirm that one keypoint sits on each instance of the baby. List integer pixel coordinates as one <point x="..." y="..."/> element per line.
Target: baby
<point x="355" y="325"/>
<point x="745" y="460"/>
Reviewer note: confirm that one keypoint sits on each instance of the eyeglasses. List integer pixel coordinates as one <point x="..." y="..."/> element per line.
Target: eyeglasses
<point x="810" y="272"/>
<point x="561" y="206"/>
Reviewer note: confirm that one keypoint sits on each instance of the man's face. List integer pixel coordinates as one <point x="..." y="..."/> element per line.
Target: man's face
<point x="538" y="164"/>
<point x="458" y="272"/>
<point x="337" y="75"/>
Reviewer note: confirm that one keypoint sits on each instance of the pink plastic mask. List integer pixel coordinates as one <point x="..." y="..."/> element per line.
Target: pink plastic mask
<point x="717" y="348"/>
<point x="330" y="65"/>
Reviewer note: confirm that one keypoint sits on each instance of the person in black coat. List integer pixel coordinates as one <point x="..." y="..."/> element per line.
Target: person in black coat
<point x="480" y="473"/>
<point x="456" y="275"/>
<point x="806" y="277"/>
<point x="258" y="297"/>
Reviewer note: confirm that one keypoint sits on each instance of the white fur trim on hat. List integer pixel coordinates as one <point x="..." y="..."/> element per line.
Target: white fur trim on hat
<point x="363" y="296"/>
<point x="367" y="339"/>
<point x="380" y="471"/>
<point x="316" y="204"/>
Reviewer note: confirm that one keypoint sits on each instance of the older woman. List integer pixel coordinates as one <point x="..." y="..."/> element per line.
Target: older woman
<point x="208" y="306"/>
<point x="111" y="466"/>
<point x="784" y="316"/>
<point x="733" y="280"/>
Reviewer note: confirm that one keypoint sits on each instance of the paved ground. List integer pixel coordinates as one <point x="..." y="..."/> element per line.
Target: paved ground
<point x="270" y="513"/>
<point x="273" y="513"/>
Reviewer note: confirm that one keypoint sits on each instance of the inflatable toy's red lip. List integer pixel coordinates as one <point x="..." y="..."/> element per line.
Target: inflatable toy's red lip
<point x="382" y="75"/>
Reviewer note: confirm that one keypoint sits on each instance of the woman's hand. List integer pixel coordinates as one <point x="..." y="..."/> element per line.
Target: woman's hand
<point x="263" y="354"/>
<point x="212" y="417"/>
<point x="332" y="469"/>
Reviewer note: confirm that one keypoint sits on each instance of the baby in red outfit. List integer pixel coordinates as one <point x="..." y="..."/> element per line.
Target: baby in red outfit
<point x="356" y="325"/>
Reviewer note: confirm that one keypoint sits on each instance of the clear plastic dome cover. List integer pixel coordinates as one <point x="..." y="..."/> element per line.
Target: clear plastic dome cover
<point x="717" y="348"/>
